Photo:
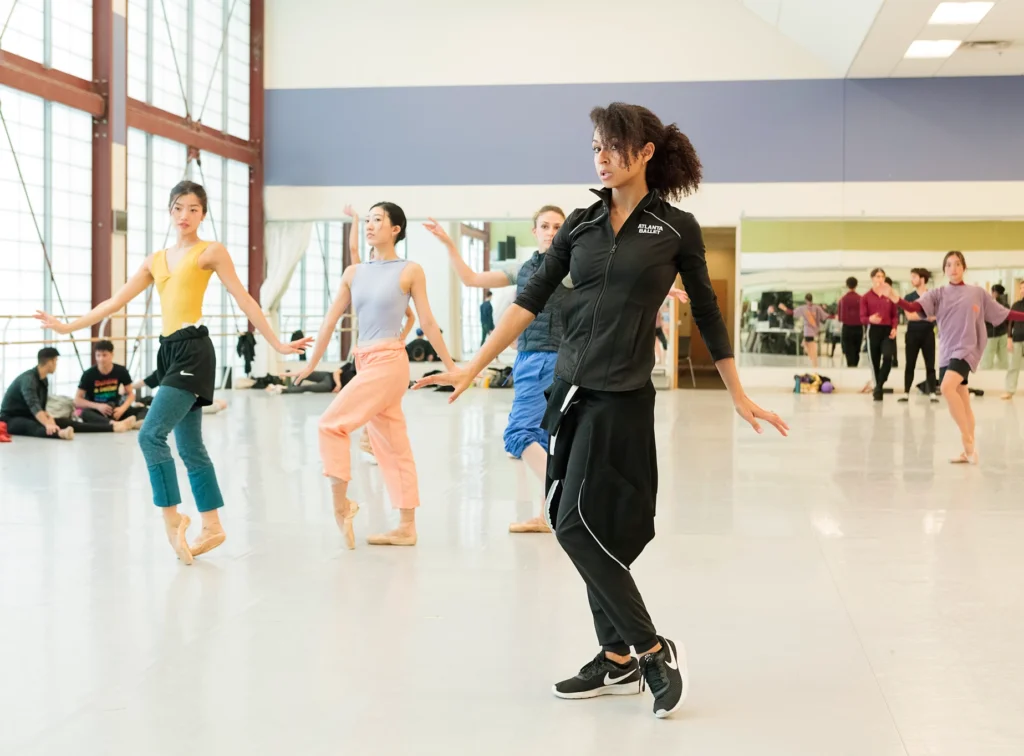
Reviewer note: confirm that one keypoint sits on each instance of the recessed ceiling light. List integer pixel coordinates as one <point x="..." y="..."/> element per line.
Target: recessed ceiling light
<point x="954" y="14"/>
<point x="932" y="48"/>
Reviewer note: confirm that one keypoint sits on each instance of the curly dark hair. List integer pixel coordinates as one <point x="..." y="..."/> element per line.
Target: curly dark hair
<point x="675" y="170"/>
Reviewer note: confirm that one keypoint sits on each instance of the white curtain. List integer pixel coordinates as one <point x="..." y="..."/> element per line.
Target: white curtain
<point x="286" y="243"/>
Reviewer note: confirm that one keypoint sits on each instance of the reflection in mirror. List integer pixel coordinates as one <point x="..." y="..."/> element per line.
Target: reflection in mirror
<point x="783" y="262"/>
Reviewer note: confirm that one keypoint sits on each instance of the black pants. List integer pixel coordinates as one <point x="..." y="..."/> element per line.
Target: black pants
<point x="852" y="338"/>
<point x="660" y="334"/>
<point x="29" y="426"/>
<point x="881" y="354"/>
<point x="95" y="417"/>
<point x="920" y="340"/>
<point x="605" y="478"/>
<point x="486" y="332"/>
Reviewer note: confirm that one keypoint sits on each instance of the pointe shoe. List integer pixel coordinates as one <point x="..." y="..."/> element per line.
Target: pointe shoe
<point x="965" y="458"/>
<point x="123" y="426"/>
<point x="535" y="525"/>
<point x="68" y="434"/>
<point x="207" y="541"/>
<point x="394" y="538"/>
<point x="347" y="529"/>
<point x="1007" y="396"/>
<point x="176" y="536"/>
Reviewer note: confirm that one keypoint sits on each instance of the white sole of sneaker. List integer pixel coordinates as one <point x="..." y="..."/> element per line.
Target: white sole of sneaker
<point x="685" y="674"/>
<point x="609" y="690"/>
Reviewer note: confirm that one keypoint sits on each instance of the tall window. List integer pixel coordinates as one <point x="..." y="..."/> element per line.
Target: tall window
<point x="314" y="285"/>
<point x="51" y="149"/>
<point x="192" y="57"/>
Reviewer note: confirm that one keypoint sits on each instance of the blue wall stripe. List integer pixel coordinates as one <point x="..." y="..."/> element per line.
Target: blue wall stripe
<point x="954" y="129"/>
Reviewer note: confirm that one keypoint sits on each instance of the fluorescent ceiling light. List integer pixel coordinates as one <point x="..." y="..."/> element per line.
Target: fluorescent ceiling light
<point x="932" y="48"/>
<point x="954" y="14"/>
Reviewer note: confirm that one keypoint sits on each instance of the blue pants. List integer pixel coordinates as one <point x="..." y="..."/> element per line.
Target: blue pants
<point x="175" y="409"/>
<point x="532" y="374"/>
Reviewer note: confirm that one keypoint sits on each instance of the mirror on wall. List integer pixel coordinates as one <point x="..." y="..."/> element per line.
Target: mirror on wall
<point x="783" y="262"/>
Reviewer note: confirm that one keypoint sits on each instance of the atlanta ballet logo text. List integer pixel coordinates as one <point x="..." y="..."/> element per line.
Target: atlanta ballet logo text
<point x="650" y="228"/>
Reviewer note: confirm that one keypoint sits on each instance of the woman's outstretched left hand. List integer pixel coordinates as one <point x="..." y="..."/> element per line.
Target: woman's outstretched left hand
<point x="751" y="412"/>
<point x="295" y="347"/>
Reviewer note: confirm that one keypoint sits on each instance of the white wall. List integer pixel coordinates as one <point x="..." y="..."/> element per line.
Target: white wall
<point x="714" y="204"/>
<point x="328" y="44"/>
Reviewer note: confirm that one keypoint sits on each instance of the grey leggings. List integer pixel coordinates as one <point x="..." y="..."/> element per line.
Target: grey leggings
<point x="318" y="382"/>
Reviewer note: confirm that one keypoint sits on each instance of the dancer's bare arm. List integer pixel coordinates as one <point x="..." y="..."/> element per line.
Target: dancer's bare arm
<point x="353" y="234"/>
<point x="417" y="282"/>
<point x="132" y="288"/>
<point x="323" y="339"/>
<point x="410" y="321"/>
<point x="216" y="258"/>
<point x="487" y="279"/>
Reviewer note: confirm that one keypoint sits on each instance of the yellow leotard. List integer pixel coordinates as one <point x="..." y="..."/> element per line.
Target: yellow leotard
<point x="181" y="291"/>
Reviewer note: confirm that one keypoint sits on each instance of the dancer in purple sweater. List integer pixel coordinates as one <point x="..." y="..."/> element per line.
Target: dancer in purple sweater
<point x="961" y="311"/>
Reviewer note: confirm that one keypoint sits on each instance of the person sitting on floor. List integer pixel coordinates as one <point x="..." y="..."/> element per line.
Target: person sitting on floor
<point x="152" y="382"/>
<point x="23" y="409"/>
<point x="99" y="399"/>
<point x="419" y="349"/>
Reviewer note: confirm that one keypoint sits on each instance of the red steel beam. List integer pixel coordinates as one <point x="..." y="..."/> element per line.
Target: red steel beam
<point x="257" y="265"/>
<point x="192" y="134"/>
<point x="36" y="79"/>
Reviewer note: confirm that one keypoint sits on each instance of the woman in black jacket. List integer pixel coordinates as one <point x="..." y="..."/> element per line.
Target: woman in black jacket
<point x="623" y="253"/>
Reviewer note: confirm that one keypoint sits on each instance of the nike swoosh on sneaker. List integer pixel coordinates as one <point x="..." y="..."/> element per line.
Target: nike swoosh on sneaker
<point x="672" y="663"/>
<point x="190" y="375"/>
<point x="609" y="680"/>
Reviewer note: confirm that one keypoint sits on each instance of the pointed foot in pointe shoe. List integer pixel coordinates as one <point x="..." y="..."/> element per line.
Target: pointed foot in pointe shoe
<point x="207" y="541"/>
<point x="176" y="536"/>
<point x="347" y="528"/>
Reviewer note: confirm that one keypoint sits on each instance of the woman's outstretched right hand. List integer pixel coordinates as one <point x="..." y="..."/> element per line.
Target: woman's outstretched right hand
<point x="50" y="322"/>
<point x="460" y="379"/>
<point x="438" y="230"/>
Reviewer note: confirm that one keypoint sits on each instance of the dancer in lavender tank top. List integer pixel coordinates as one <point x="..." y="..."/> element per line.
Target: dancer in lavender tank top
<point x="961" y="311"/>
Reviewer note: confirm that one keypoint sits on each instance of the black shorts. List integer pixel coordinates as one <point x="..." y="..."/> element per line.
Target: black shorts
<point x="957" y="366"/>
<point x="188" y="361"/>
<point x="809" y="339"/>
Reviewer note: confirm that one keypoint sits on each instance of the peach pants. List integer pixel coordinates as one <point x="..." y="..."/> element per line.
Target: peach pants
<point x="373" y="398"/>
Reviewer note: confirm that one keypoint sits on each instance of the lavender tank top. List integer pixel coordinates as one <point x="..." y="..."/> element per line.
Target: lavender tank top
<point x="378" y="299"/>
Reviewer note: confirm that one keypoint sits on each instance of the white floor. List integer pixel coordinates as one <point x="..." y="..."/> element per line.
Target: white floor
<point x="843" y="591"/>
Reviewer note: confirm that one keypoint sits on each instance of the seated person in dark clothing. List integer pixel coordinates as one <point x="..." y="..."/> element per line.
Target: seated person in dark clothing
<point x="419" y="349"/>
<point x="98" y="396"/>
<point x="152" y="382"/>
<point x="318" y="382"/>
<point x="24" y="406"/>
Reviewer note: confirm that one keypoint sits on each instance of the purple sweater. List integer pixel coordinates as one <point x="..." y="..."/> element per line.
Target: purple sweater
<point x="813" y="316"/>
<point x="961" y="310"/>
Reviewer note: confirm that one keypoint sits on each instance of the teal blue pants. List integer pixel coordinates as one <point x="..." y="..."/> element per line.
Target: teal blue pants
<point x="176" y="409"/>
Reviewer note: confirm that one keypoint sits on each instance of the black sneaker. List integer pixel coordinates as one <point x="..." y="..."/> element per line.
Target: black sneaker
<point x="877" y="396"/>
<point x="665" y="674"/>
<point x="903" y="398"/>
<point x="601" y="677"/>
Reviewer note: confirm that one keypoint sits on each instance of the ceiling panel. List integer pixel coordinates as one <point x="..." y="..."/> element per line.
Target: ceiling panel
<point x="900" y="22"/>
